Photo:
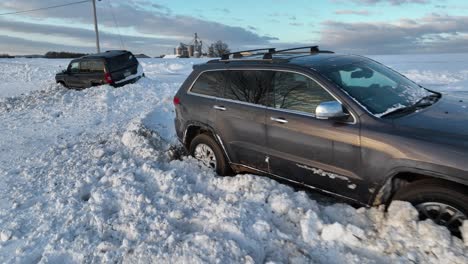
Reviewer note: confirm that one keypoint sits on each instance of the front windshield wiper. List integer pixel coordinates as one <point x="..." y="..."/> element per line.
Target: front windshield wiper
<point x="421" y="103"/>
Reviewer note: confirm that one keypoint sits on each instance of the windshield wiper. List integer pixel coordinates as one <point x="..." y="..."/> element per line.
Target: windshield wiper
<point x="421" y="103"/>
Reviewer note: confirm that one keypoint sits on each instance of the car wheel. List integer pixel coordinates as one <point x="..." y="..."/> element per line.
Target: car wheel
<point x="205" y="149"/>
<point x="443" y="202"/>
<point x="63" y="84"/>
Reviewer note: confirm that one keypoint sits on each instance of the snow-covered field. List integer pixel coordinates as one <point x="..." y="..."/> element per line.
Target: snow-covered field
<point x="88" y="177"/>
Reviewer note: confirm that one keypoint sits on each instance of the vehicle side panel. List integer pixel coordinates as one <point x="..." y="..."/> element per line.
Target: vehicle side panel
<point x="242" y="128"/>
<point x="193" y="107"/>
<point x="387" y="152"/>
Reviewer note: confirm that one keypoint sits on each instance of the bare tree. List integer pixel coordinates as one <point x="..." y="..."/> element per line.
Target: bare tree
<point x="6" y="56"/>
<point x="218" y="48"/>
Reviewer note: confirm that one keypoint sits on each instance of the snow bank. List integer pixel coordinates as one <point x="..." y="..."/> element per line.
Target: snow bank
<point x="441" y="72"/>
<point x="20" y="76"/>
<point x="89" y="177"/>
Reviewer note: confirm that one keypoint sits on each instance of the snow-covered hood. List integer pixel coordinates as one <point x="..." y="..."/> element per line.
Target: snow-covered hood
<point x="447" y="119"/>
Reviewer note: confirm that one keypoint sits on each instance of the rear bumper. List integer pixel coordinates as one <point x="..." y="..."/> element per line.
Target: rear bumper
<point x="120" y="84"/>
<point x="179" y="130"/>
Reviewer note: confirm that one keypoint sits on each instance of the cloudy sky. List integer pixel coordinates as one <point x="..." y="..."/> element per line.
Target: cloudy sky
<point x="155" y="27"/>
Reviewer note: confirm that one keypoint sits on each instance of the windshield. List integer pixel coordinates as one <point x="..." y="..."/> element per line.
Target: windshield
<point x="377" y="88"/>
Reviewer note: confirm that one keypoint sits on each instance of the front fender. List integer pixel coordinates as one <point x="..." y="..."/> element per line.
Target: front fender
<point x="389" y="185"/>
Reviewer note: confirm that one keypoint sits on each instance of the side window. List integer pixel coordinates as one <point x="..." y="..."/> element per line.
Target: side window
<point x="85" y="67"/>
<point x="96" y="66"/>
<point x="297" y="92"/>
<point x="209" y="83"/>
<point x="74" y="67"/>
<point x="249" y="86"/>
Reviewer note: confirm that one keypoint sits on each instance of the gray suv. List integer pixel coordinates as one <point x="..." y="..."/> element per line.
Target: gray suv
<point x="342" y="124"/>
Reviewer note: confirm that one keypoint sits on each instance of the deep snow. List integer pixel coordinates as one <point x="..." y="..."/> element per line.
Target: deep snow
<point x="88" y="177"/>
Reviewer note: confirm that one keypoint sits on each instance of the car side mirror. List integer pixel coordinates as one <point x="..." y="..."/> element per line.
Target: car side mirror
<point x="332" y="110"/>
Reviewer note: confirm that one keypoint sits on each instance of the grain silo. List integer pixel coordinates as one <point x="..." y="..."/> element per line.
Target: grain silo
<point x="194" y="49"/>
<point x="191" y="49"/>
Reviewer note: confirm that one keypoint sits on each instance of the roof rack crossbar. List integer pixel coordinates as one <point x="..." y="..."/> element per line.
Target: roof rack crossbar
<point x="313" y="49"/>
<point x="270" y="51"/>
<point x="238" y="54"/>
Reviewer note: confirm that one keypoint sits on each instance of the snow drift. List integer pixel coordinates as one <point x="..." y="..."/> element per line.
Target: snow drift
<point x="90" y="177"/>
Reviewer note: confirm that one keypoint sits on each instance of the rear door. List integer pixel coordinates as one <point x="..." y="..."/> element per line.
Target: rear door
<point x="240" y="117"/>
<point x="122" y="66"/>
<point x="203" y="97"/>
<point x="91" y="72"/>
<point x="320" y="153"/>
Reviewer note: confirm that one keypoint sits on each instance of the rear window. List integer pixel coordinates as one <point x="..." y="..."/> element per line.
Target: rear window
<point x="249" y="86"/>
<point x="209" y="83"/>
<point x="121" y="61"/>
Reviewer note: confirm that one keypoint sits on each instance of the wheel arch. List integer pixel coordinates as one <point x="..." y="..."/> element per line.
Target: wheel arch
<point x="62" y="82"/>
<point x="404" y="176"/>
<point x="196" y="128"/>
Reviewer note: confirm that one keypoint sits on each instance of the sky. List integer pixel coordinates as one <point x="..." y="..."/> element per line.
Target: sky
<point x="155" y="27"/>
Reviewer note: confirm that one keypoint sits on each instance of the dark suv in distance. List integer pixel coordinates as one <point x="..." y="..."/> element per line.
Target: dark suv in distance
<point x="116" y="67"/>
<point x="342" y="124"/>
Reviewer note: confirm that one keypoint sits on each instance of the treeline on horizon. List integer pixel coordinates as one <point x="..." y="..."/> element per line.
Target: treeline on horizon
<point x="216" y="49"/>
<point x="63" y="55"/>
<point x="58" y="55"/>
<point x="48" y="55"/>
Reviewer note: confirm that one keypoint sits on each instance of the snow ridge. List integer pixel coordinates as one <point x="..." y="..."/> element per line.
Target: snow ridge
<point x="90" y="177"/>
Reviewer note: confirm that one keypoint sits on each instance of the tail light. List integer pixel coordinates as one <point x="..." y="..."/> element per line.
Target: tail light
<point x="176" y="101"/>
<point x="108" y="78"/>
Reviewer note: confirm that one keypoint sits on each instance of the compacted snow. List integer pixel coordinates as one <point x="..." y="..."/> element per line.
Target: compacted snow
<point x="89" y="176"/>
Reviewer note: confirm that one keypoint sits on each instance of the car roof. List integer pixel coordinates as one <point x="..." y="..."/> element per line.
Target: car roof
<point x="106" y="54"/>
<point x="296" y="59"/>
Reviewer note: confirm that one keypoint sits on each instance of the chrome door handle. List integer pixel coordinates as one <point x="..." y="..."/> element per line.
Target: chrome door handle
<point x="279" y="120"/>
<point x="219" y="107"/>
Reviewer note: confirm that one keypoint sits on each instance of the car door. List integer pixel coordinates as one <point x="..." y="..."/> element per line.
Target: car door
<point x="240" y="117"/>
<point x="73" y="72"/>
<point x="95" y="75"/>
<point x="86" y="77"/>
<point x="320" y="153"/>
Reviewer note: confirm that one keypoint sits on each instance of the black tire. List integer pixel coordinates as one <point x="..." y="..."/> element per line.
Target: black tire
<point x="63" y="84"/>
<point x="222" y="166"/>
<point x="425" y="192"/>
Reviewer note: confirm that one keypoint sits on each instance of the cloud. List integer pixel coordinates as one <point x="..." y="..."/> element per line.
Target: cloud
<point x="352" y="12"/>
<point x="138" y="16"/>
<point x="223" y="10"/>
<point x="433" y="33"/>
<point x="156" y="30"/>
<point x="296" y="24"/>
<point x="75" y="39"/>
<point x="13" y="45"/>
<point x="392" y="2"/>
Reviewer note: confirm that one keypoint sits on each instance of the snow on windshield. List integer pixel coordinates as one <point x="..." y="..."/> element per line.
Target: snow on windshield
<point x="373" y="85"/>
